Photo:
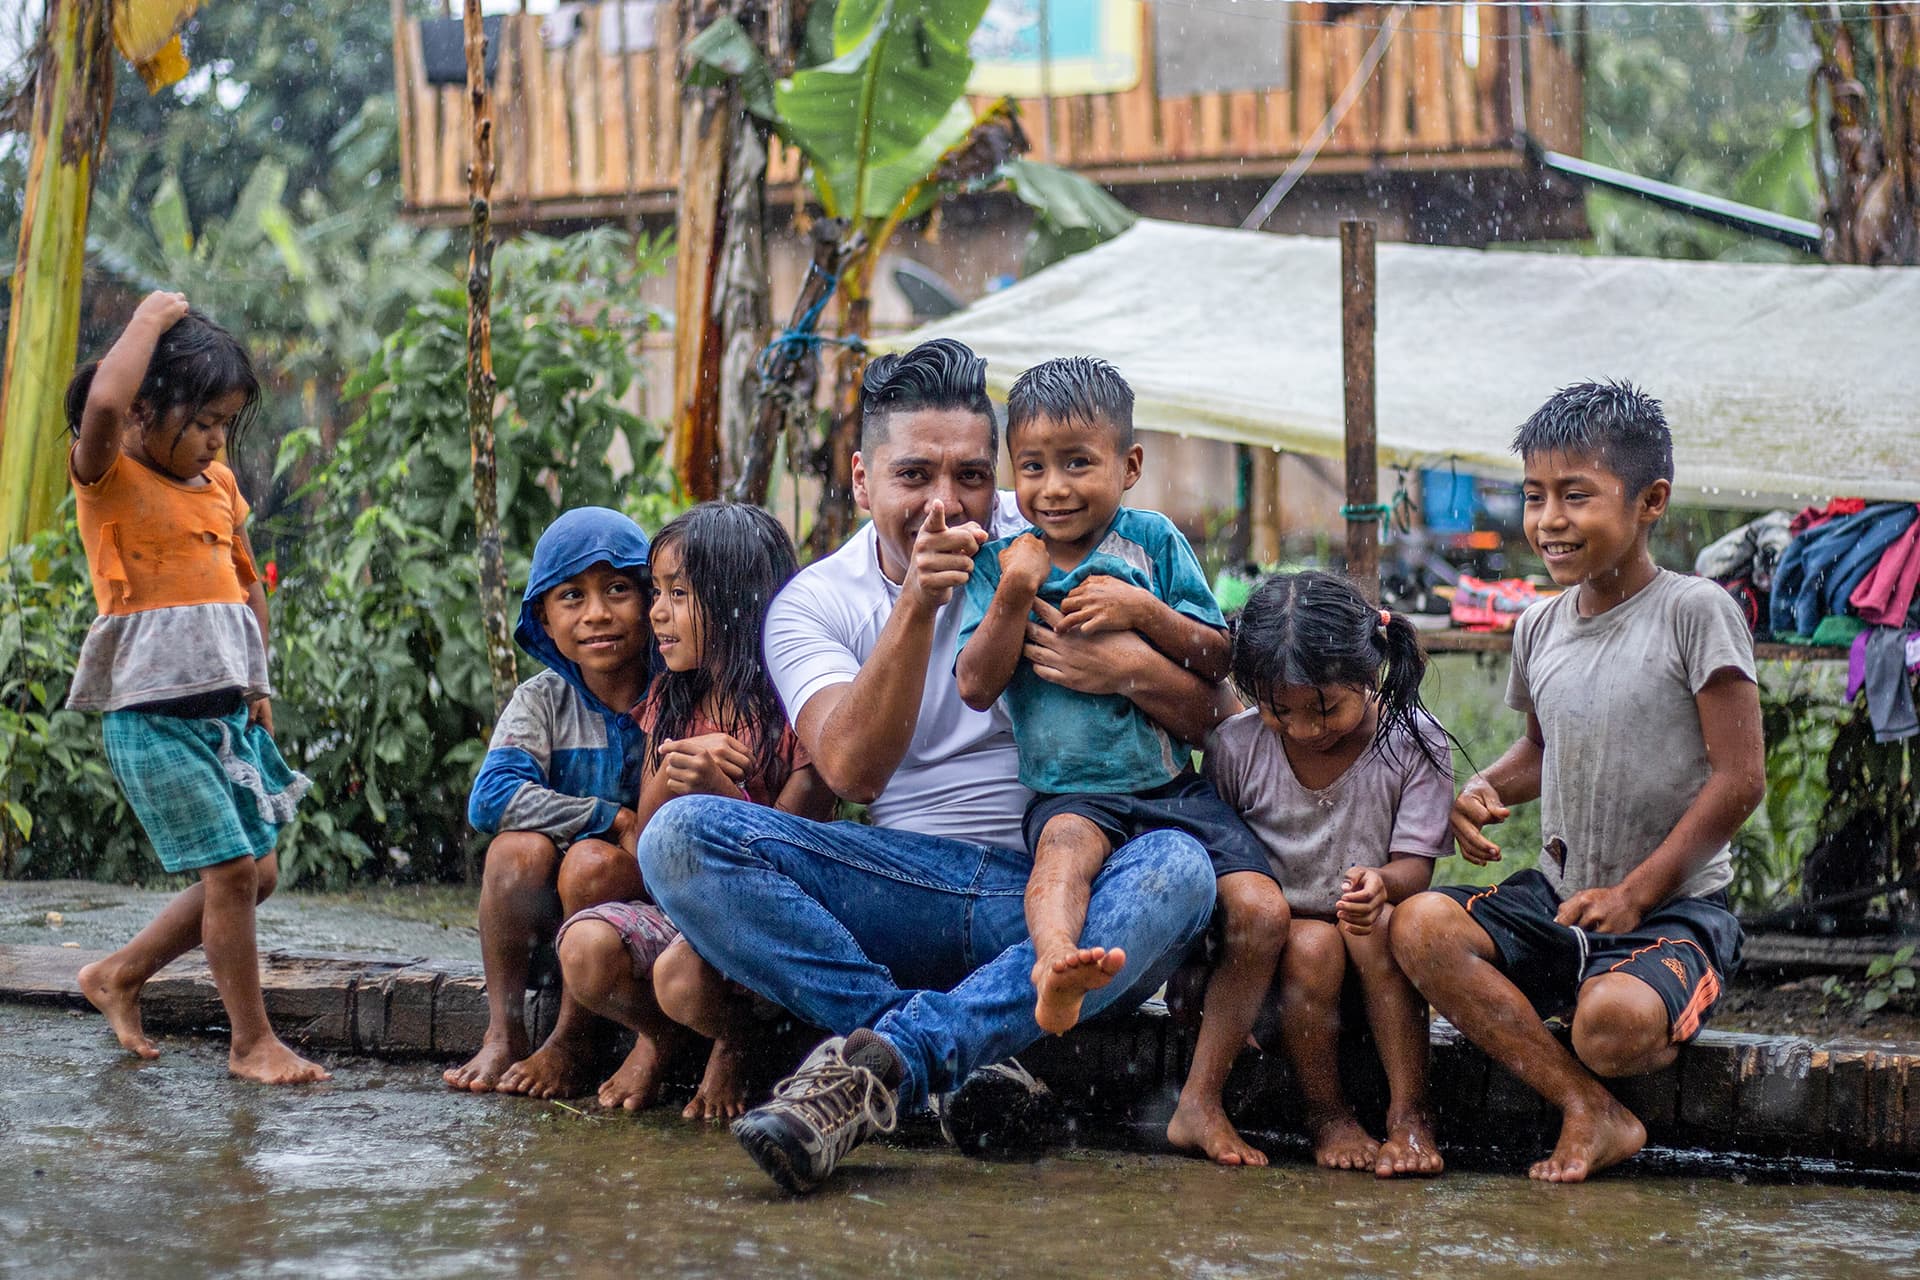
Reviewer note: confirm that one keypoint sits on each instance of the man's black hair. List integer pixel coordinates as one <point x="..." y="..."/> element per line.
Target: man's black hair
<point x="1616" y="422"/>
<point x="1069" y="389"/>
<point x="941" y="374"/>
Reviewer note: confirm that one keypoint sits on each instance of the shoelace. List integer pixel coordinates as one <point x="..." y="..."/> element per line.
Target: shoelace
<point x="832" y="1093"/>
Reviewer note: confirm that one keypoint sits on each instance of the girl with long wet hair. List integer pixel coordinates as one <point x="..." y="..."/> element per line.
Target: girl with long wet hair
<point x="714" y="726"/>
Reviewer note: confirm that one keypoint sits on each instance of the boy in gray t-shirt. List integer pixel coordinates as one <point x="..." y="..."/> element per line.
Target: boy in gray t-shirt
<point x="1643" y="746"/>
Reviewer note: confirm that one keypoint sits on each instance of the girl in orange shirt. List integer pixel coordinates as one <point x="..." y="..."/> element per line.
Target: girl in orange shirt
<point x="177" y="660"/>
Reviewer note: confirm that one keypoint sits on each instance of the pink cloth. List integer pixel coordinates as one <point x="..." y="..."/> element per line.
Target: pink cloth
<point x="1886" y="593"/>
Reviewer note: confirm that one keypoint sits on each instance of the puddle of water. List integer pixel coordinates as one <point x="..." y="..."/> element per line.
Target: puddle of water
<point x="108" y="1167"/>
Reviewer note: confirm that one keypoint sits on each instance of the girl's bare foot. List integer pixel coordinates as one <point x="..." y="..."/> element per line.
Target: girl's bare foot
<point x="271" y="1062"/>
<point x="1063" y="978"/>
<point x="634" y="1086"/>
<point x="1410" y="1148"/>
<point x="722" y="1094"/>
<point x="551" y="1071"/>
<point x="1203" y="1127"/>
<point x="1340" y="1143"/>
<point x="1591" y="1140"/>
<point x="481" y="1073"/>
<point x="119" y="1003"/>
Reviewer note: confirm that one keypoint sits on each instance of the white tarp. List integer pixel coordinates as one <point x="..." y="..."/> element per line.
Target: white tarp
<point x="1781" y="383"/>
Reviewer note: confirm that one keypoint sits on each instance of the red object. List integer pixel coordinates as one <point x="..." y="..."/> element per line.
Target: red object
<point x="272" y="572"/>
<point x="1814" y="517"/>
<point x="1491" y="606"/>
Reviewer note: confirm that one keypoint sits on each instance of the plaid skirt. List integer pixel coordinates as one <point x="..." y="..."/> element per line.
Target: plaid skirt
<point x="206" y="791"/>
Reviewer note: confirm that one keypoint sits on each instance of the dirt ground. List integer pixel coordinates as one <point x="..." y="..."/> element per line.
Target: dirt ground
<point x="1817" y="1008"/>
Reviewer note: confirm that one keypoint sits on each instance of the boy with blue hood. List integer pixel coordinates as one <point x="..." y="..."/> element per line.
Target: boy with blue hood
<point x="557" y="787"/>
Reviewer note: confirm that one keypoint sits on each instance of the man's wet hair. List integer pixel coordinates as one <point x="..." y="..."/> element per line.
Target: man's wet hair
<point x="1616" y="422"/>
<point x="941" y="374"/>
<point x="1070" y="389"/>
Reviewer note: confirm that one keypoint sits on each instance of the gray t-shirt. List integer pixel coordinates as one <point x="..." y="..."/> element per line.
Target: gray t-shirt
<point x="1614" y="695"/>
<point x="1389" y="801"/>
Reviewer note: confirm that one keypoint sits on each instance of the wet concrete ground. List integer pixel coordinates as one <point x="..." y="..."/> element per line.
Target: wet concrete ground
<point x="110" y="1167"/>
<point x="436" y="923"/>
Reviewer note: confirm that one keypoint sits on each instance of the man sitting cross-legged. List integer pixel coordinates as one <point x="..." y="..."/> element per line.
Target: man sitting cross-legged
<point x="908" y="938"/>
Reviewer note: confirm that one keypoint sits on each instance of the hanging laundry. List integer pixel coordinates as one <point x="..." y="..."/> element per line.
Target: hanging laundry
<point x="1889" y="690"/>
<point x="1886" y="594"/>
<point x="1822" y="566"/>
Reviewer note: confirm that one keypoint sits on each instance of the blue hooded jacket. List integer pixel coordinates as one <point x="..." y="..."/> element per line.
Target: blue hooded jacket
<point x="562" y="763"/>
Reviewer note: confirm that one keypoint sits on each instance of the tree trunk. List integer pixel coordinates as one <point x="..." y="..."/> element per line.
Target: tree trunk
<point x="707" y="115"/>
<point x="835" y="517"/>
<point x="742" y="310"/>
<point x="73" y="96"/>
<point x="480" y="382"/>
<point x="1871" y="204"/>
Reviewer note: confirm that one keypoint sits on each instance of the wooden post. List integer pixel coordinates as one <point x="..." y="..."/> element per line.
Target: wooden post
<point x="1356" y="349"/>
<point x="480" y="383"/>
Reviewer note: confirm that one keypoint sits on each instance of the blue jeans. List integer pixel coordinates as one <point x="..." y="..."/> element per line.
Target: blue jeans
<point x="922" y="939"/>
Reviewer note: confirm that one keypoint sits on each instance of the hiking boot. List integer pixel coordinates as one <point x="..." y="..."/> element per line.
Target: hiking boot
<point x="1001" y="1110"/>
<point x="842" y="1095"/>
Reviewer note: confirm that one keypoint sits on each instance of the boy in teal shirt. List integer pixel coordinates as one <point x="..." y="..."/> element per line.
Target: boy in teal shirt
<point x="1102" y="771"/>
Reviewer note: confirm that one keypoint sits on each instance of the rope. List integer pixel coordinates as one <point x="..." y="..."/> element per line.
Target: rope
<point x="801" y="337"/>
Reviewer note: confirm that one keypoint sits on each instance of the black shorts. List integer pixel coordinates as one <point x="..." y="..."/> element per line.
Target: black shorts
<point x="1684" y="950"/>
<point x="1188" y="804"/>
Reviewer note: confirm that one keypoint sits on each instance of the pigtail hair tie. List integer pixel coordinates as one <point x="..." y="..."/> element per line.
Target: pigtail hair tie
<point x="1385" y="618"/>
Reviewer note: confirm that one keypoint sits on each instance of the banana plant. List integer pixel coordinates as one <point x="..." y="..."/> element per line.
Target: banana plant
<point x="888" y="133"/>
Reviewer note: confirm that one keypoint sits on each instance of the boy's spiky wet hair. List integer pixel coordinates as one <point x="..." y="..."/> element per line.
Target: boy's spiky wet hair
<point x="941" y="374"/>
<point x="1616" y="422"/>
<point x="1082" y="389"/>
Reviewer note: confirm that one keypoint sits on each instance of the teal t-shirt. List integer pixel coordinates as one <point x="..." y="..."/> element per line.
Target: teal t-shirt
<point x="1079" y="742"/>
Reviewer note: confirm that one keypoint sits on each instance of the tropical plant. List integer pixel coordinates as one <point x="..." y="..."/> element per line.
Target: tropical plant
<point x="888" y="133"/>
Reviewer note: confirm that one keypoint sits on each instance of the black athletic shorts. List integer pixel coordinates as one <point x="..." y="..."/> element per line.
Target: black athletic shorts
<point x="1188" y="803"/>
<point x="1684" y="950"/>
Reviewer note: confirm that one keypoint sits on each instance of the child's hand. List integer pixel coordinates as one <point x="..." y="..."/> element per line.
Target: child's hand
<point x="1105" y="604"/>
<point x="260" y="710"/>
<point x="626" y="830"/>
<point x="1364" y="893"/>
<point x="713" y="764"/>
<point x="160" y="309"/>
<point x="1478" y="805"/>
<point x="1024" y="563"/>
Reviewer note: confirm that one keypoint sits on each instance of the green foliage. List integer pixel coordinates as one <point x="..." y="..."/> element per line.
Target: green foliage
<point x="1888" y="978"/>
<point x="379" y="662"/>
<point x="1801" y="711"/>
<point x="1693" y="100"/>
<point x="379" y="645"/>
<point x="60" y="811"/>
<point x="876" y="118"/>
<point x="1070" y="214"/>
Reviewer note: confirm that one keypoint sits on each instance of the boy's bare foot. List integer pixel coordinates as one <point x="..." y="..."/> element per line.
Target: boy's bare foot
<point x="1204" y="1128"/>
<point x="1591" y="1140"/>
<point x="1410" y="1148"/>
<point x="271" y="1062"/>
<point x="119" y="1003"/>
<point x="1340" y="1143"/>
<point x="481" y="1073"/>
<point x="551" y="1071"/>
<point x="722" y="1094"/>
<point x="635" y="1084"/>
<point x="1063" y="978"/>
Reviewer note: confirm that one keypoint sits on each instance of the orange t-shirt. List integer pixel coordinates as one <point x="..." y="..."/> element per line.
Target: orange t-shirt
<point x="154" y="542"/>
